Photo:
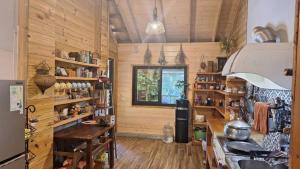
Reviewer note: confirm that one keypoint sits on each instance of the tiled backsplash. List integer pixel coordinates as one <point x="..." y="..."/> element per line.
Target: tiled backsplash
<point x="271" y="140"/>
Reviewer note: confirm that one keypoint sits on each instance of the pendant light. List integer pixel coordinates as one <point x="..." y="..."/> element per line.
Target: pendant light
<point x="155" y="27"/>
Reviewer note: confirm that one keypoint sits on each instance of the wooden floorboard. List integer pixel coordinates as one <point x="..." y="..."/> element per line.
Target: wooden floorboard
<point x="137" y="153"/>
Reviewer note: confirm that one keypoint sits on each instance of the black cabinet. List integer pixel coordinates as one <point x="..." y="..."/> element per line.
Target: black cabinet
<point x="182" y="121"/>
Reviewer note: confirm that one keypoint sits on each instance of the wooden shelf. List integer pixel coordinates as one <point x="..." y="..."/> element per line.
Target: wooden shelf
<point x="76" y="63"/>
<point x="221" y="110"/>
<point x="69" y="101"/>
<point x="199" y="123"/>
<point x="196" y="142"/>
<point x="229" y="94"/>
<point x="203" y="90"/>
<point x="209" y="73"/>
<point x="204" y="107"/>
<point x="203" y="82"/>
<point x="233" y="108"/>
<point x="75" y="78"/>
<point x="236" y="80"/>
<point x="73" y="119"/>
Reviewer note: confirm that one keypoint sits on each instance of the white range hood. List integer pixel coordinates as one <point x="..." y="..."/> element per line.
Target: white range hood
<point x="262" y="64"/>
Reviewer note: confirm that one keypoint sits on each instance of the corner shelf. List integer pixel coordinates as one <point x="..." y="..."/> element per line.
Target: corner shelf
<point x="75" y="78"/>
<point x="69" y="101"/>
<point x="204" y="82"/>
<point x="204" y="107"/>
<point x="221" y="110"/>
<point x="75" y="62"/>
<point x="73" y="119"/>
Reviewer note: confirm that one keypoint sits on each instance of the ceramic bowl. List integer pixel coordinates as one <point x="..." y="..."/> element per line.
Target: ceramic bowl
<point x="56" y="86"/>
<point x="63" y="86"/>
<point x="69" y="85"/>
<point x="74" y="85"/>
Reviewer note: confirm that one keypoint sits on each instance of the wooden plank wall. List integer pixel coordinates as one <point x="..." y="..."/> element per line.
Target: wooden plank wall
<point x="294" y="156"/>
<point x="149" y="119"/>
<point x="66" y="25"/>
<point x="104" y="39"/>
<point x="41" y="46"/>
<point x="240" y="26"/>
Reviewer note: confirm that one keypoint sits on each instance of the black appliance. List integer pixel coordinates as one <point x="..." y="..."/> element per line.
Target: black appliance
<point x="182" y="121"/>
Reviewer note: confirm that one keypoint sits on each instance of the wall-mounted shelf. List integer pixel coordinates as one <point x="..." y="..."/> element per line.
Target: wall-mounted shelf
<point x="195" y="123"/>
<point x="75" y="78"/>
<point x="73" y="119"/>
<point x="204" y="90"/>
<point x="221" y="110"/>
<point x="204" y="82"/>
<point x="69" y="101"/>
<point x="209" y="73"/>
<point x="204" y="107"/>
<point x="76" y="63"/>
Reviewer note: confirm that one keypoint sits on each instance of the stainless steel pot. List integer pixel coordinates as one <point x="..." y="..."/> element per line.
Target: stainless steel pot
<point x="237" y="130"/>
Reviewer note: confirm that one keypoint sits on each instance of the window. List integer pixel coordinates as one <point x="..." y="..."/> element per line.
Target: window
<point x="157" y="85"/>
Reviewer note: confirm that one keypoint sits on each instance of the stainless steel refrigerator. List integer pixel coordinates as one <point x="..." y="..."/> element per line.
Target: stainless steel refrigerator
<point x="12" y="125"/>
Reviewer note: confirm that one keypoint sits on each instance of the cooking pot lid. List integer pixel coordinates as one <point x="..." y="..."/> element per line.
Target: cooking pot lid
<point x="239" y="124"/>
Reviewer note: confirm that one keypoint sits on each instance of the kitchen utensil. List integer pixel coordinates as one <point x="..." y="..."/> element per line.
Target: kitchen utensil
<point x="262" y="34"/>
<point x="90" y="122"/>
<point x="63" y="86"/>
<point x="56" y="86"/>
<point x="74" y="85"/>
<point x="237" y="130"/>
<point x="241" y="147"/>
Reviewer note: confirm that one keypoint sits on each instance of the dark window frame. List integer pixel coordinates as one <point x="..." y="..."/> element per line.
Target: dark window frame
<point x="159" y="103"/>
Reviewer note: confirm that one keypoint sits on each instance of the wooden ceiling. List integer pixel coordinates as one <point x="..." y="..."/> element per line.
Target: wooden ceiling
<point x="184" y="20"/>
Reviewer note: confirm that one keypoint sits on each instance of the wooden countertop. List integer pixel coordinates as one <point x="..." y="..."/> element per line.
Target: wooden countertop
<point x="216" y="126"/>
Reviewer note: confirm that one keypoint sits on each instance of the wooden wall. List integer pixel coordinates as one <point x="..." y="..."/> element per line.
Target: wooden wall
<point x="240" y="26"/>
<point x="294" y="156"/>
<point x="149" y="119"/>
<point x="67" y="25"/>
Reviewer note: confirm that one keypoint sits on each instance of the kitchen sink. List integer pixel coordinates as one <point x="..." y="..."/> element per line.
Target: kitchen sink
<point x="255" y="164"/>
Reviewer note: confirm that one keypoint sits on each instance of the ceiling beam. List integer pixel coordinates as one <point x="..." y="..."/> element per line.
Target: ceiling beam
<point x="118" y="30"/>
<point x="216" y="24"/>
<point x="192" y="25"/>
<point x="163" y="20"/>
<point x="134" y="20"/>
<point x="114" y="5"/>
<point x="115" y="15"/>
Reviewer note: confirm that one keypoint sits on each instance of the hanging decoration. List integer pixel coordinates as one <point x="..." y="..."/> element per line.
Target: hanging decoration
<point x="162" y="58"/>
<point x="147" y="56"/>
<point x="42" y="78"/>
<point x="202" y="64"/>
<point x="180" y="58"/>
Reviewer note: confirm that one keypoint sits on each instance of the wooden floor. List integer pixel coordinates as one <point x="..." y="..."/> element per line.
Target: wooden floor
<point x="136" y="153"/>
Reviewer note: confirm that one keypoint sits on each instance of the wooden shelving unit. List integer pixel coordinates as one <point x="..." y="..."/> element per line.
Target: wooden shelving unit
<point x="208" y="83"/>
<point x="57" y="59"/>
<point x="73" y="119"/>
<point x="69" y="101"/>
<point x="75" y="78"/>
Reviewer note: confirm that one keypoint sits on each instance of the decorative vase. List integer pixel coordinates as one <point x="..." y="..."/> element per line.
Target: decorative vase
<point x="42" y="78"/>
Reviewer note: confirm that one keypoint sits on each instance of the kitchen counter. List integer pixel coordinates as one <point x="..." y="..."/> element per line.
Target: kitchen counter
<point x="216" y="126"/>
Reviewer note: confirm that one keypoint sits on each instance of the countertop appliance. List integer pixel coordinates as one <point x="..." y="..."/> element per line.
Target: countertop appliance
<point x="12" y="125"/>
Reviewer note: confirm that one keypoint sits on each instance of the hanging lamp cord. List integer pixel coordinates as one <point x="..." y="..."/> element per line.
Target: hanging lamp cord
<point x="155" y="11"/>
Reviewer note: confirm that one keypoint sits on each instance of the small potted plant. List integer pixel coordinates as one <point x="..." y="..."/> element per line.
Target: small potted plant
<point x="181" y="85"/>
